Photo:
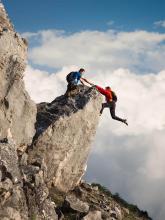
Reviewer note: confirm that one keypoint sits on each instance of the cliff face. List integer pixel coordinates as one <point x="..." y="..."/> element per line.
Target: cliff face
<point x="17" y="111"/>
<point x="44" y="148"/>
<point x="17" y="119"/>
<point x="64" y="131"/>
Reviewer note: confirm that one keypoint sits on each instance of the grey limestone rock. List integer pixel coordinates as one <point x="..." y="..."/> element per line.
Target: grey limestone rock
<point x="12" y="198"/>
<point x="17" y="110"/>
<point x="64" y="132"/>
<point x="93" y="215"/>
<point x="9" y="162"/>
<point x="73" y="203"/>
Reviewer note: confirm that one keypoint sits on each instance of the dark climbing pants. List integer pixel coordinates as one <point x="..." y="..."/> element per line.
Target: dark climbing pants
<point x="71" y="89"/>
<point x="71" y="86"/>
<point x="112" y="108"/>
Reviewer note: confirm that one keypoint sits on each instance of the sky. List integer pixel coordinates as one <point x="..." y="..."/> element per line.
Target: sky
<point x="121" y="44"/>
<point x="77" y="15"/>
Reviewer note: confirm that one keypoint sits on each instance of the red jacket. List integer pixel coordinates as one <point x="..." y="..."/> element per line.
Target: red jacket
<point x="106" y="92"/>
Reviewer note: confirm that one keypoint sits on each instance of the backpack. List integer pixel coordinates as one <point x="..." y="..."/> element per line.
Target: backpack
<point x="114" y="96"/>
<point x="69" y="77"/>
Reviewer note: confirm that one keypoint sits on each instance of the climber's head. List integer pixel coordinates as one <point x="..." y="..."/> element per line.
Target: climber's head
<point x="108" y="88"/>
<point x="81" y="70"/>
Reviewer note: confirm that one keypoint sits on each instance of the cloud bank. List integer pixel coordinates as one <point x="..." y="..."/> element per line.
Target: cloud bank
<point x="138" y="50"/>
<point x="160" y="23"/>
<point x="128" y="160"/>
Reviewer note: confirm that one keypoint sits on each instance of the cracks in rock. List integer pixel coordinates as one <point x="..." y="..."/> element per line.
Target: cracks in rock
<point x="48" y="113"/>
<point x="5" y="173"/>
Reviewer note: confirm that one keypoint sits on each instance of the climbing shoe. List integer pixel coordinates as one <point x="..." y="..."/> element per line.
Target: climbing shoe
<point x="125" y="122"/>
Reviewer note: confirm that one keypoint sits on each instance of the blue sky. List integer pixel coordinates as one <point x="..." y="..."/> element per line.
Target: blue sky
<point x="76" y="15"/>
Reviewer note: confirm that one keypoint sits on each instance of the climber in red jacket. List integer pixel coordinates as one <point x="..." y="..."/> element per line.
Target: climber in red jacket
<point x="110" y="103"/>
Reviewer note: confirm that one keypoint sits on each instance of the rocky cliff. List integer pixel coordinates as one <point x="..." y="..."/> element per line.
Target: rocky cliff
<point x="44" y="148"/>
<point x="17" y="111"/>
<point x="64" y="131"/>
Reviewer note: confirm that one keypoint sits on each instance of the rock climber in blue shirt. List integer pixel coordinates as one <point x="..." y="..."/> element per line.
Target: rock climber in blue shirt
<point x="73" y="79"/>
<point x="77" y="77"/>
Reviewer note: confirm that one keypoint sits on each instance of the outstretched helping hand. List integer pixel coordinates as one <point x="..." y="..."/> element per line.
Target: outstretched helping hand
<point x="85" y="80"/>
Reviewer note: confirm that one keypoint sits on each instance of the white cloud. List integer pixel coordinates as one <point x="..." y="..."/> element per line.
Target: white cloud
<point x="155" y="162"/>
<point x="141" y="97"/>
<point x="131" y="158"/>
<point x="29" y="35"/>
<point x="138" y="50"/>
<point x="132" y="166"/>
<point x="110" y="23"/>
<point x="43" y="86"/>
<point x="160" y="23"/>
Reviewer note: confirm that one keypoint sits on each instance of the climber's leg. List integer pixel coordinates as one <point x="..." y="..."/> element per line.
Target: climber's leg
<point x="113" y="115"/>
<point x="104" y="105"/>
<point x="70" y="88"/>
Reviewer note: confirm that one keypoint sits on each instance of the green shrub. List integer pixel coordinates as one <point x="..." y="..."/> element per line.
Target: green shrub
<point x="132" y="208"/>
<point x="102" y="189"/>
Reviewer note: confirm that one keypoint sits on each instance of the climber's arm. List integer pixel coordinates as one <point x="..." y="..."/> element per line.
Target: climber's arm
<point x="85" y="80"/>
<point x="104" y="92"/>
<point x="81" y="80"/>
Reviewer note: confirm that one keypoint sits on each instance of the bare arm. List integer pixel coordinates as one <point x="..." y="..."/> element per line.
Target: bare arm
<point x="81" y="80"/>
<point x="100" y="89"/>
<point x="85" y="80"/>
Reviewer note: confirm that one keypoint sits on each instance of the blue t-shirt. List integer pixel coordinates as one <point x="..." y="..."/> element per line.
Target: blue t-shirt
<point x="76" y="77"/>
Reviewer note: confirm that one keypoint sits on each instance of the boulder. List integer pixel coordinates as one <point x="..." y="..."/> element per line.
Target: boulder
<point x="13" y="204"/>
<point x="64" y="131"/>
<point x="9" y="163"/>
<point x="72" y="203"/>
<point x="12" y="198"/>
<point x="93" y="215"/>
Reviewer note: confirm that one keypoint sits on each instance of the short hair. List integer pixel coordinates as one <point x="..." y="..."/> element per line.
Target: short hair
<point x="81" y="70"/>
<point x="108" y="87"/>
